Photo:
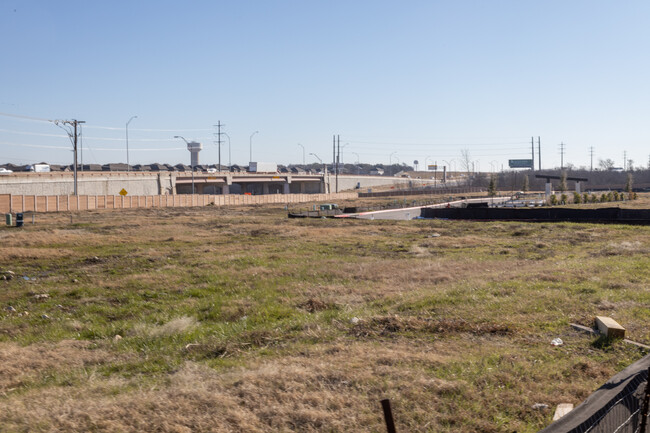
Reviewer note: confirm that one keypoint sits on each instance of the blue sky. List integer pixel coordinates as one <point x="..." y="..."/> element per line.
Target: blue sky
<point x="414" y="79"/>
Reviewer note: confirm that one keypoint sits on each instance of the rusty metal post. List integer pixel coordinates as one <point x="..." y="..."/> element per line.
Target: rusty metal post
<point x="388" y="416"/>
<point x="646" y="404"/>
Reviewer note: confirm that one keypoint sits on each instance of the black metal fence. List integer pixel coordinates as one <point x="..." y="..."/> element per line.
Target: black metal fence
<point x="550" y="214"/>
<point x="619" y="406"/>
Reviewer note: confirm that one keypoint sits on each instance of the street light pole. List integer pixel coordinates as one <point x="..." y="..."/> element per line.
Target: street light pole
<point x="250" y="144"/>
<point x="341" y="155"/>
<point x="390" y="162"/>
<point x="191" y="161"/>
<point x="303" y="153"/>
<point x="128" y="166"/>
<point x="324" y="169"/>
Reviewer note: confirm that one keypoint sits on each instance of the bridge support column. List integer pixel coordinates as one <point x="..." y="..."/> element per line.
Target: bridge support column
<point x="225" y="190"/>
<point x="578" y="189"/>
<point x="265" y="188"/>
<point x="549" y="189"/>
<point x="285" y="188"/>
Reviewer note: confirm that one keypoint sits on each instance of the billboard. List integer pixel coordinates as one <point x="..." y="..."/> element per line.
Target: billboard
<point x="520" y="163"/>
<point x="432" y="167"/>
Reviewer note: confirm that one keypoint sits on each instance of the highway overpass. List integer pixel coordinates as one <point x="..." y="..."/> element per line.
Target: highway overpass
<point x="162" y="183"/>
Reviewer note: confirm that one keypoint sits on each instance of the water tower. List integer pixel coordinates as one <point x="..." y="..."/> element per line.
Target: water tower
<point x="194" y="147"/>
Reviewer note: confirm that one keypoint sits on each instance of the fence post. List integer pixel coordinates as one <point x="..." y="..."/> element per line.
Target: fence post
<point x="646" y="404"/>
<point x="388" y="416"/>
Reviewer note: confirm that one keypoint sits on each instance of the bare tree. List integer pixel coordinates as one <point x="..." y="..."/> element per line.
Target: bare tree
<point x="466" y="163"/>
<point x="606" y="164"/>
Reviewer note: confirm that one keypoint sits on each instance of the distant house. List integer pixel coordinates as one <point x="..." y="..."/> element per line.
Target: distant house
<point x="283" y="170"/>
<point x="183" y="167"/>
<point x="91" y="167"/>
<point x="298" y="170"/>
<point x="158" y="167"/>
<point x="236" y="168"/>
<point x="16" y="168"/>
<point x="377" y="171"/>
<point x="119" y="166"/>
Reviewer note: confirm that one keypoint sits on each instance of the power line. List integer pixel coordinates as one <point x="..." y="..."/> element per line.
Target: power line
<point x="40" y="134"/>
<point x="7" y="143"/>
<point x="435" y="144"/>
<point x="112" y="128"/>
<point x="18" y="116"/>
<point x="39" y="119"/>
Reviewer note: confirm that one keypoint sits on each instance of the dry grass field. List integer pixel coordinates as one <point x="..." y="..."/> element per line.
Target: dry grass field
<point x="241" y="320"/>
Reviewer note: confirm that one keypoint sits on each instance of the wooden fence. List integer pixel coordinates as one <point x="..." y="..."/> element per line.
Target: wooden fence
<point x="10" y="203"/>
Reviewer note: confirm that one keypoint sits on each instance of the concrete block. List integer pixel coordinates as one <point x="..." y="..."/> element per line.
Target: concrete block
<point x="561" y="410"/>
<point x="609" y="327"/>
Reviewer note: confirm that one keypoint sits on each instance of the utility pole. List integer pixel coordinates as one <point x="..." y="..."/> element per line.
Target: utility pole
<point x="532" y="153"/>
<point x="218" y="134"/>
<point x="591" y="154"/>
<point x="76" y="124"/>
<point x="74" y="137"/>
<point x="562" y="145"/>
<point x="625" y="160"/>
<point x="539" y="153"/>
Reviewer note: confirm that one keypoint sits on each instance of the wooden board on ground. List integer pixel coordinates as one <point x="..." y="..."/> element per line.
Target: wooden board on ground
<point x="609" y="327"/>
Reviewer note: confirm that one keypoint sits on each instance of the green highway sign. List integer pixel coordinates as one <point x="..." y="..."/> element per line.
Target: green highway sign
<point x="520" y="163"/>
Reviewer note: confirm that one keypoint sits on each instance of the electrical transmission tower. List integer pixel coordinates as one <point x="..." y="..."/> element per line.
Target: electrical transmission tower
<point x="562" y="146"/>
<point x="591" y="154"/>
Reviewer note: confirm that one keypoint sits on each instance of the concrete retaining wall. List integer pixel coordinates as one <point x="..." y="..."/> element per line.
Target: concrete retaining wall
<point x="59" y="203"/>
<point x="347" y="182"/>
<point x="88" y="183"/>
